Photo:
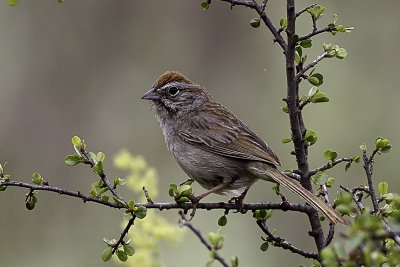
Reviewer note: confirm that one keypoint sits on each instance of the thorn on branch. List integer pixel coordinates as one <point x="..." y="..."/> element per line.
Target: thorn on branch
<point x="146" y="194"/>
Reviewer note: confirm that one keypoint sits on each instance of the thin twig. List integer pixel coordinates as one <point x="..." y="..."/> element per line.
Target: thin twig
<point x="331" y="234"/>
<point x="392" y="234"/>
<point x="369" y="169"/>
<point x="124" y="233"/>
<point x="315" y="32"/>
<point x="311" y="64"/>
<point x="329" y="165"/>
<point x="282" y="243"/>
<point x="164" y="205"/>
<point x="267" y="21"/>
<point x="103" y="176"/>
<point x="188" y="224"/>
<point x="146" y="194"/>
<point x="356" y="197"/>
<point x="304" y="10"/>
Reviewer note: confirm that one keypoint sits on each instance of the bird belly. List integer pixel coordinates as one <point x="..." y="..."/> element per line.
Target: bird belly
<point x="210" y="170"/>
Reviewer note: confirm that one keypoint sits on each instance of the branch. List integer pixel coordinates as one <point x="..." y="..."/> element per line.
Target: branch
<point x="124" y="233"/>
<point x="90" y="162"/>
<point x="267" y="21"/>
<point x="304" y="10"/>
<point x="369" y="169"/>
<point x="312" y="64"/>
<point x="297" y="126"/>
<point x="329" y="165"/>
<point x="357" y="197"/>
<point x="165" y="205"/>
<point x="185" y="222"/>
<point x="315" y="32"/>
<point x="61" y="191"/>
<point x="282" y="243"/>
<point x="392" y="234"/>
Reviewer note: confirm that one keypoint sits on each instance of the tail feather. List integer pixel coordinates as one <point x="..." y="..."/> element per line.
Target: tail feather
<point x="276" y="175"/>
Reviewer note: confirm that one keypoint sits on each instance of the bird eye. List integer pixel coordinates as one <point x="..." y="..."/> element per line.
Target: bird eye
<point x="172" y="91"/>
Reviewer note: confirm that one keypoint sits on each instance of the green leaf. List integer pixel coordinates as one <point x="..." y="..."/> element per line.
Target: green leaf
<point x="264" y="246"/>
<point x="286" y="140"/>
<point x="312" y="91"/>
<point x="216" y="239"/>
<point x="255" y="23"/>
<point x="341" y="53"/>
<point x="356" y="159"/>
<point x="12" y="2"/>
<point x="105" y="198"/>
<point x="383" y="188"/>
<point x="119" y="181"/>
<point x="335" y="18"/>
<point x="3" y="188"/>
<point x="329" y="154"/>
<point x="107" y="254"/>
<point x="184" y="190"/>
<point x="285" y="109"/>
<point x="100" y="156"/>
<point x="141" y="212"/>
<point x="311" y="137"/>
<point x="37" y="178"/>
<point x="306" y="43"/>
<point x="72" y="160"/>
<point x="76" y="141"/>
<point x="234" y="262"/>
<point x="319" y="97"/>
<point x="131" y="204"/>
<point x="98" y="168"/>
<point x="297" y="57"/>
<point x="283" y="23"/>
<point x="320" y="78"/>
<point x="205" y="5"/>
<point x="363" y="147"/>
<point x="222" y="221"/>
<point x="347" y="167"/>
<point x="122" y="255"/>
<point x="330" y="182"/>
<point x="313" y="80"/>
<point x="129" y="250"/>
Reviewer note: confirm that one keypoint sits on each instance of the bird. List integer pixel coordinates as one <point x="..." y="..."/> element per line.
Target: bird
<point x="215" y="148"/>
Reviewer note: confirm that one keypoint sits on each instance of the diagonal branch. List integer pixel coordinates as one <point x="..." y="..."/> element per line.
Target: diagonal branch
<point x="188" y="224"/>
<point x="315" y="32"/>
<point x="329" y="165"/>
<point x="282" y="243"/>
<point x="124" y="233"/>
<point x="103" y="176"/>
<point x="267" y="21"/>
<point x="312" y="64"/>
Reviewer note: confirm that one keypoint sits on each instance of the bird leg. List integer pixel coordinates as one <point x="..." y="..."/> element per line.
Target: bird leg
<point x="196" y="199"/>
<point x="239" y="200"/>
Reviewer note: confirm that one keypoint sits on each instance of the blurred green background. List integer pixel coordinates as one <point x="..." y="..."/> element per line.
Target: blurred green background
<point x="80" y="68"/>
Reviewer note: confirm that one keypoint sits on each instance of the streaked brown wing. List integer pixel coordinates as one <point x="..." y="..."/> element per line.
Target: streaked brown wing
<point x="217" y="130"/>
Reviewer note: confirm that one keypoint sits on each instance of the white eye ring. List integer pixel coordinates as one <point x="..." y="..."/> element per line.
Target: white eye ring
<point x="172" y="91"/>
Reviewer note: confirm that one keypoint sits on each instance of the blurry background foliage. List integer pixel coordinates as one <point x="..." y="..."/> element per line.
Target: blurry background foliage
<point x="80" y="68"/>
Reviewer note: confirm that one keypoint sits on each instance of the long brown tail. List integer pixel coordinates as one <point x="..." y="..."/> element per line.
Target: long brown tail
<point x="269" y="173"/>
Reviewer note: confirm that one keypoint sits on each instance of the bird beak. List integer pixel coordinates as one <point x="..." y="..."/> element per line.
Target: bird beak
<point x="151" y="95"/>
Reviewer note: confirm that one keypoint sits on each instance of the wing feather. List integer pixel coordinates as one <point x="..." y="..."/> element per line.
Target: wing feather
<point x="217" y="130"/>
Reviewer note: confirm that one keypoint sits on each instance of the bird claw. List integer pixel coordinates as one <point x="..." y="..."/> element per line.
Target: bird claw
<point x="195" y="201"/>
<point x="239" y="203"/>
